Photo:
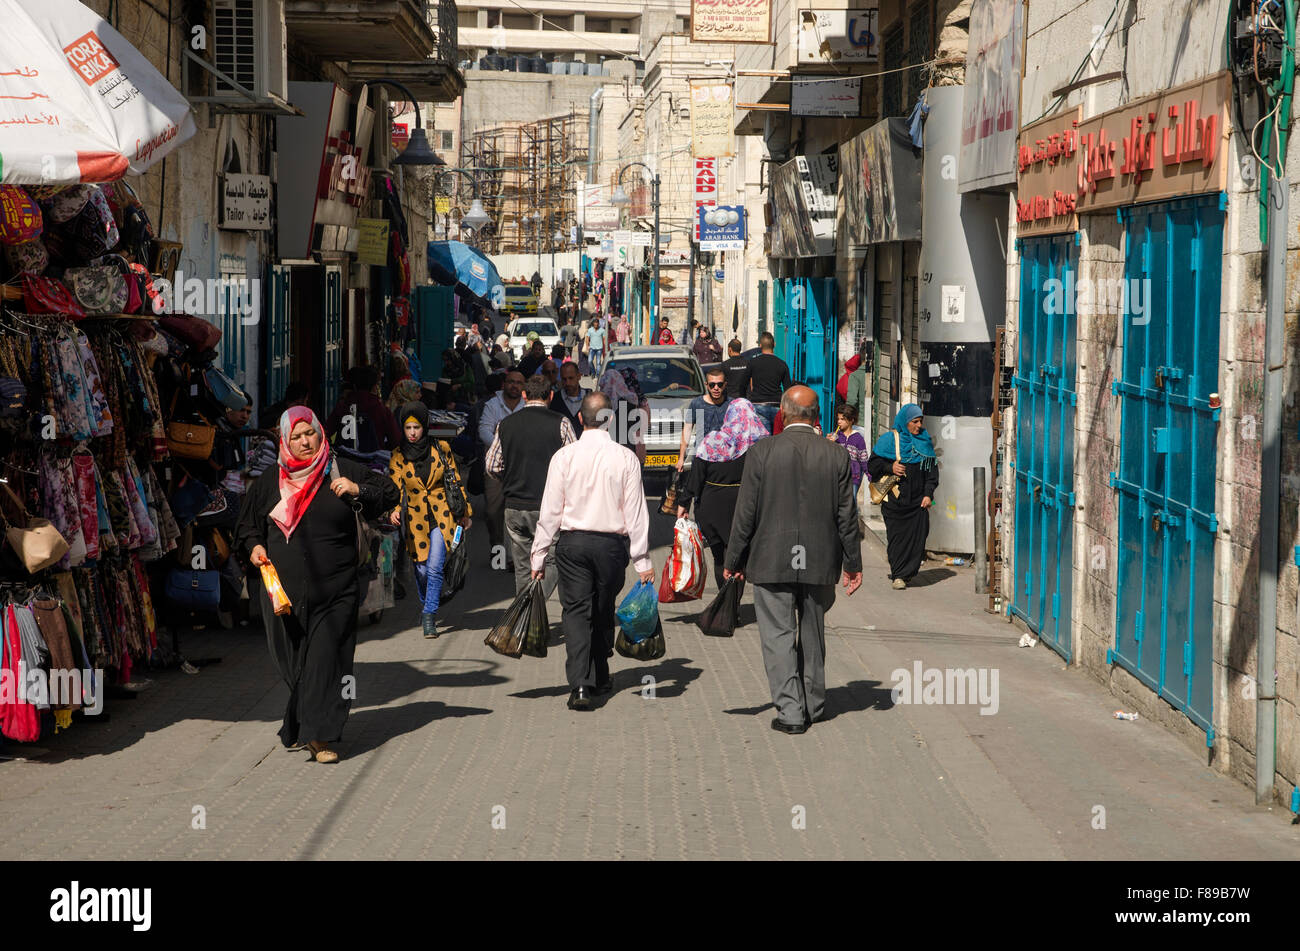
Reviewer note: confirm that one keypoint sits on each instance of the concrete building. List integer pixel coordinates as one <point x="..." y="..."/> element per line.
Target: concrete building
<point x="1138" y="507"/>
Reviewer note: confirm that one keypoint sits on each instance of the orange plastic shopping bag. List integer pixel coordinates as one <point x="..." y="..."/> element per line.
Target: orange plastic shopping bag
<point x="274" y="590"/>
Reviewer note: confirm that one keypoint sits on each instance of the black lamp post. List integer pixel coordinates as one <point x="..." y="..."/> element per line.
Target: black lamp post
<point x="620" y="198"/>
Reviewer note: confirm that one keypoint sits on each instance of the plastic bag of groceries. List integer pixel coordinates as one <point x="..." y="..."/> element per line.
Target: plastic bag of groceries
<point x="683" y="577"/>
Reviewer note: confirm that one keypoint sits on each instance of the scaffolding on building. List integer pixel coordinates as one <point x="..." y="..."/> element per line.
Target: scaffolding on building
<point x="525" y="169"/>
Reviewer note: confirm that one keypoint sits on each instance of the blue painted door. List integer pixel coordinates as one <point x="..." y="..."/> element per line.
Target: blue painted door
<point x="279" y="355"/>
<point x="1167" y="467"/>
<point x="332" y="338"/>
<point x="435" y="319"/>
<point x="233" y="290"/>
<point x="1045" y="408"/>
<point x="818" y="343"/>
<point x="780" y="297"/>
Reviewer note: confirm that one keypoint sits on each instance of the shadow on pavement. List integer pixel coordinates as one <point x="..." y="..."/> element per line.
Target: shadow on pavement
<point x="929" y="576"/>
<point x="853" y="697"/>
<point x="382" y="682"/>
<point x="370" y="729"/>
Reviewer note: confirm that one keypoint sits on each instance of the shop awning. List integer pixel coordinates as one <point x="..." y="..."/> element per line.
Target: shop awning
<point x="78" y="102"/>
<point x="456" y="264"/>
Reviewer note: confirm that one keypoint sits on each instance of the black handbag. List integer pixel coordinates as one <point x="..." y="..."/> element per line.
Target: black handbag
<point x="457" y="502"/>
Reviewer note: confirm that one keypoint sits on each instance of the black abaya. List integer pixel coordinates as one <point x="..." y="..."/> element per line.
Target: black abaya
<point x="714" y="487"/>
<point x="313" y="645"/>
<point x="907" y="525"/>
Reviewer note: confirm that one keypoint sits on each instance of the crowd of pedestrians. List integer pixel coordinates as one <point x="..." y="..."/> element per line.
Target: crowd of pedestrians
<point x="558" y="467"/>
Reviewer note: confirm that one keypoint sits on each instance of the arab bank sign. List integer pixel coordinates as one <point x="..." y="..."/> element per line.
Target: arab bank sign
<point x="722" y="228"/>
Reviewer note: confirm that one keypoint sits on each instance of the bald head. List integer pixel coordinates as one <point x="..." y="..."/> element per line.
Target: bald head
<point x="594" y="410"/>
<point x="799" y="405"/>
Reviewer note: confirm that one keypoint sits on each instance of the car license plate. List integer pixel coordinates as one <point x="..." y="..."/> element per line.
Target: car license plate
<point x="661" y="459"/>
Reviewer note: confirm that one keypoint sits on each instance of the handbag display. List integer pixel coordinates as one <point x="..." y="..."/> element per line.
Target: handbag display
<point x="195" y="332"/>
<point x="883" y="488"/>
<point x="44" y="295"/>
<point x="101" y="289"/>
<point x="38" y="543"/>
<point x="20" y="216"/>
<point x="190" y="440"/>
<point x="193" y="589"/>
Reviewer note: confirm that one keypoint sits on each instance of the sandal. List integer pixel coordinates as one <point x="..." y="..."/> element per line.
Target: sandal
<point x="322" y="753"/>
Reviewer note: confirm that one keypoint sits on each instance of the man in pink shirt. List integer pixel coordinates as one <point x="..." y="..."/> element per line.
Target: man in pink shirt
<point x="594" y="512"/>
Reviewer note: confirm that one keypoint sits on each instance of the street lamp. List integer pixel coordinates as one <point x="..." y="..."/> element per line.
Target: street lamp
<point x="476" y="218"/>
<point x="620" y="198"/>
<point x="417" y="151"/>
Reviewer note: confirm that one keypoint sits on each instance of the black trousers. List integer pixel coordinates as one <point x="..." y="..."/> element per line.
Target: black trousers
<point x="719" y="552"/>
<point x="591" y="567"/>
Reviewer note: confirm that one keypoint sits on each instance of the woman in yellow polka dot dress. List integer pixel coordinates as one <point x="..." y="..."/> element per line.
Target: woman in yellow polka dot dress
<point x="417" y="471"/>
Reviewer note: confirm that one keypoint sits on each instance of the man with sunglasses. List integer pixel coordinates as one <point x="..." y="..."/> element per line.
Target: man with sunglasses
<point x="705" y="412"/>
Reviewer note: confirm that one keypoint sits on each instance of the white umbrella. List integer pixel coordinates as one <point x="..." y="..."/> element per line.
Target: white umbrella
<point x="78" y="102"/>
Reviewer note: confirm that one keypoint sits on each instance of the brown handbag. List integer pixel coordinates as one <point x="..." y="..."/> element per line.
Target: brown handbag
<point x="39" y="545"/>
<point x="190" y="440"/>
<point x="882" y="489"/>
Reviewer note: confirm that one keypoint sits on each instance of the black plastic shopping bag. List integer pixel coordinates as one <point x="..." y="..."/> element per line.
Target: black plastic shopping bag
<point x="651" y="648"/>
<point x="719" y="618"/>
<point x="454" y="571"/>
<point x="538" y="629"/>
<point x="507" y="635"/>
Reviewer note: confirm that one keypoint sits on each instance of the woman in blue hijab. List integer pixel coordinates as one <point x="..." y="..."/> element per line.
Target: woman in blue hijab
<point x="907" y="517"/>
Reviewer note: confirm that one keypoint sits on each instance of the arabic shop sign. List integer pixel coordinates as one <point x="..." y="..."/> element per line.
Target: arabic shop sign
<point x="1170" y="144"/>
<point x="722" y="228"/>
<point x="1047" y="160"/>
<point x="245" y="202"/>
<point x="819" y="96"/>
<point x="731" y="21"/>
<point x="839" y="36"/>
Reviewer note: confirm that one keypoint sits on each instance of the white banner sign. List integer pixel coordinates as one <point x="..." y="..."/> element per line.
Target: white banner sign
<point x="839" y="36"/>
<point x="991" y="100"/>
<point x="840" y="98"/>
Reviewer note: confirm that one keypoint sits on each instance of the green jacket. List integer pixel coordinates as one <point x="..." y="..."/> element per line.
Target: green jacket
<point x="857" y="397"/>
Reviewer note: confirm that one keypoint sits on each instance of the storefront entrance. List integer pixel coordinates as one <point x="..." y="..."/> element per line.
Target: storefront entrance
<point x="1045" y="408"/>
<point x="1167" y="467"/>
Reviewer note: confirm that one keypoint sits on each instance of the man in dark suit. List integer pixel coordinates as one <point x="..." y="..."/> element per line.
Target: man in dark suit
<point x="568" y="398"/>
<point x="795" y="526"/>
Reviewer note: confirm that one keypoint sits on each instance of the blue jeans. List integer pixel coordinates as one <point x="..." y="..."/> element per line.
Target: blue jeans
<point x="597" y="359"/>
<point x="768" y="413"/>
<point x="429" y="573"/>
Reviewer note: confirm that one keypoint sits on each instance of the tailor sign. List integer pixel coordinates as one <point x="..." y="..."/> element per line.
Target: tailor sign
<point x="722" y="228"/>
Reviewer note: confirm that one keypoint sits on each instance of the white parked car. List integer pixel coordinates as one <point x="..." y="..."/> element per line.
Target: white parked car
<point x="521" y="327"/>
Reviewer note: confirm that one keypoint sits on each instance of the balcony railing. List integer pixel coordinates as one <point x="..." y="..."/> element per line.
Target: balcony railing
<point x="443" y="17"/>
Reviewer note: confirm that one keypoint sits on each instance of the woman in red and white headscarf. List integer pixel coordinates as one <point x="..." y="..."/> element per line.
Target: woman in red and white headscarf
<point x="713" y="481"/>
<point x="301" y="517"/>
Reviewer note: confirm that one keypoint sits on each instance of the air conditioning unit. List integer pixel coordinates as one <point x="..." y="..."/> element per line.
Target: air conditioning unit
<point x="248" y="45"/>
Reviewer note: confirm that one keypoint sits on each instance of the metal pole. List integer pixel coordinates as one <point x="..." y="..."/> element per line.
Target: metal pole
<point x="690" y="301"/>
<point x="981" y="533"/>
<point x="654" y="300"/>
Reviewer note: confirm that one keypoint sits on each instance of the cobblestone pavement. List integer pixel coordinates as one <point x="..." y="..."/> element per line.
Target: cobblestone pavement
<point x="454" y="752"/>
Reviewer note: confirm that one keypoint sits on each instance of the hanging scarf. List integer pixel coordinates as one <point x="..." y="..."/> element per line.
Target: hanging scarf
<point x="741" y="428"/>
<point x="912" y="449"/>
<point x="420" y="452"/>
<point x="299" y="478"/>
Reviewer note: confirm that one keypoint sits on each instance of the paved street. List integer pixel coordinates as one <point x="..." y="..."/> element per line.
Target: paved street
<point x="447" y="736"/>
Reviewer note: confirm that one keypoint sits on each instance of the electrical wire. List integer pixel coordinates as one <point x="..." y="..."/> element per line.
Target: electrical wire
<point x="1086" y="59"/>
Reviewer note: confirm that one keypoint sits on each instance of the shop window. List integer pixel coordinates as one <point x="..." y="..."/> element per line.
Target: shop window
<point x="920" y="38"/>
<point x="891" y="85"/>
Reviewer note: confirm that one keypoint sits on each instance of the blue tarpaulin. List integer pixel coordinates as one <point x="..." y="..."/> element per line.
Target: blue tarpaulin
<point x="456" y="264"/>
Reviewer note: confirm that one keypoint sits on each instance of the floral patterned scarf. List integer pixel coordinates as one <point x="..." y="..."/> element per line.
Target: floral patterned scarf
<point x="741" y="428"/>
